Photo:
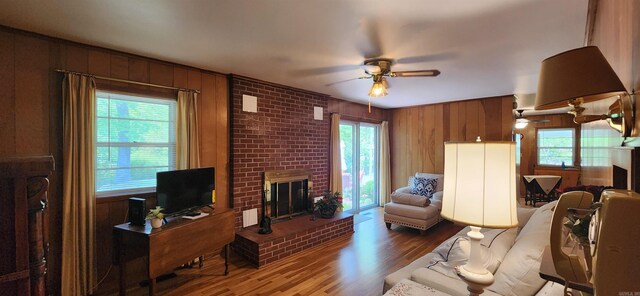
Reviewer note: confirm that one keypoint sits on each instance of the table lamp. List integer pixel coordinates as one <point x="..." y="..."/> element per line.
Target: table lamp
<point x="480" y="191"/>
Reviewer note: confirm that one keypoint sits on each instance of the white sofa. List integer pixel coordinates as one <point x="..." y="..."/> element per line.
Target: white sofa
<point x="513" y="254"/>
<point x="421" y="218"/>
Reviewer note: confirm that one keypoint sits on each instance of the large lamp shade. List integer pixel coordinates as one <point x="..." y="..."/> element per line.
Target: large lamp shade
<point x="579" y="74"/>
<point x="480" y="184"/>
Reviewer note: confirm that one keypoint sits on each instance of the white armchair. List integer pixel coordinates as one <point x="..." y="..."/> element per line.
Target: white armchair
<point x="411" y="215"/>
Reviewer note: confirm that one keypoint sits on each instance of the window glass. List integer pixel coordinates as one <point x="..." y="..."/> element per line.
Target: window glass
<point x="556" y="146"/>
<point x="135" y="139"/>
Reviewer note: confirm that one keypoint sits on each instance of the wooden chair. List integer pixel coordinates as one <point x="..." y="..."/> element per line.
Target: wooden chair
<point x="529" y="191"/>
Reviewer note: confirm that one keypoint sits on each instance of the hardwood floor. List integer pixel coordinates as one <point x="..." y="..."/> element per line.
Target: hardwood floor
<point x="350" y="265"/>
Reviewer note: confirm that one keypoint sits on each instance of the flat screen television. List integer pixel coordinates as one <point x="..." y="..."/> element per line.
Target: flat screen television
<point x="185" y="190"/>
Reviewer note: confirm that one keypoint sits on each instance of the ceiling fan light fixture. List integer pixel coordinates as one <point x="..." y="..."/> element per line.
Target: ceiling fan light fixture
<point x="378" y="90"/>
<point x="521" y="124"/>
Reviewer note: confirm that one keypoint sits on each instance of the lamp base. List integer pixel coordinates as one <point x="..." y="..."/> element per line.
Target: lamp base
<point x="474" y="273"/>
<point x="476" y="282"/>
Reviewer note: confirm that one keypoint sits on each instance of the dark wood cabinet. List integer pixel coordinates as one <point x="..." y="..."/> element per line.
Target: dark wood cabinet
<point x="23" y="199"/>
<point x="174" y="244"/>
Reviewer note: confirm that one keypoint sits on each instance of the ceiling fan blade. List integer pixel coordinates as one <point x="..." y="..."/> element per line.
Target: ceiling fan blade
<point x="420" y="73"/>
<point x="324" y="70"/>
<point x="427" y="58"/>
<point x="370" y="46"/>
<point x="347" y="80"/>
<point x="539" y="120"/>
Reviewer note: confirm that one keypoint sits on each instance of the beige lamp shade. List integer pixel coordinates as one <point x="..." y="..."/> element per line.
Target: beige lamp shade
<point x="582" y="73"/>
<point x="480" y="184"/>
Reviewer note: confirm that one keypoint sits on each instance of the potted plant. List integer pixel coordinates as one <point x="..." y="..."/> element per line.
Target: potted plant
<point x="328" y="205"/>
<point x="156" y="217"/>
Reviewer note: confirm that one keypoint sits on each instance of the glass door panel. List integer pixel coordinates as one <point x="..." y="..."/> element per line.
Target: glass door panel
<point x="359" y="153"/>
<point x="368" y="169"/>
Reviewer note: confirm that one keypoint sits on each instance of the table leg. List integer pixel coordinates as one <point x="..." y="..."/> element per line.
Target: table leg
<point x="122" y="262"/>
<point x="226" y="259"/>
<point x="152" y="287"/>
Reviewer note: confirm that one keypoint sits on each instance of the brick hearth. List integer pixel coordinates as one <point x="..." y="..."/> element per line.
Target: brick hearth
<point x="290" y="237"/>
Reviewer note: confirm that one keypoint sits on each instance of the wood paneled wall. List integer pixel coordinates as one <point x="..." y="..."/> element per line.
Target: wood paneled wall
<point x="359" y="112"/>
<point x="616" y="32"/>
<point x="31" y="117"/>
<point x="417" y="134"/>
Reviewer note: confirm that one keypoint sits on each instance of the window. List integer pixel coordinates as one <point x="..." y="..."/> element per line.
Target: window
<point x="135" y="139"/>
<point x="556" y="146"/>
<point x="595" y="145"/>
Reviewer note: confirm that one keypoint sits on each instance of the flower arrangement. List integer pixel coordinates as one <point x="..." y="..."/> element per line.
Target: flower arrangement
<point x="156" y="213"/>
<point x="327" y="206"/>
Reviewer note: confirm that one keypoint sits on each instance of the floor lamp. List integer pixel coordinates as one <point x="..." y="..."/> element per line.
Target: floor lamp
<point x="480" y="191"/>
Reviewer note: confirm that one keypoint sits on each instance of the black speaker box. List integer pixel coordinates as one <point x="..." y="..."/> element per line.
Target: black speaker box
<point x="137" y="211"/>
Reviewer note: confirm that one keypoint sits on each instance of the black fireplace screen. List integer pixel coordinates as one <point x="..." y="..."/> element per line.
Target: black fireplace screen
<point x="288" y="198"/>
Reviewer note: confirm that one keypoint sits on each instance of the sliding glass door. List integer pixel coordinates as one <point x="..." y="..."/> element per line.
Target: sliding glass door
<point x="359" y="151"/>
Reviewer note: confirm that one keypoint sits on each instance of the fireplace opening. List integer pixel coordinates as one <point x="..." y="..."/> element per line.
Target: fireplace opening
<point x="619" y="178"/>
<point x="287" y="193"/>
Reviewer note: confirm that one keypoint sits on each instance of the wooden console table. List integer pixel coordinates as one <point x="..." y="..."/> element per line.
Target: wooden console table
<point x="176" y="243"/>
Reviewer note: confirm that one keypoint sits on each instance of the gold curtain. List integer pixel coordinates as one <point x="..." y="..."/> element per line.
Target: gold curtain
<point x="78" y="197"/>
<point x="385" y="167"/>
<point x="335" y="181"/>
<point x="187" y="143"/>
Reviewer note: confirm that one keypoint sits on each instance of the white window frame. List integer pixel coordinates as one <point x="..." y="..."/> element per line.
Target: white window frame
<point x="573" y="147"/>
<point x="171" y="145"/>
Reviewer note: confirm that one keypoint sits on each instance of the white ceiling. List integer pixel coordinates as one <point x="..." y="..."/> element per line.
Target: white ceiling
<point x="483" y="48"/>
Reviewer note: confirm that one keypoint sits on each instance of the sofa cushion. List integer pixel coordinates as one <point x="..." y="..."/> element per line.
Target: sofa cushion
<point x="410" y="199"/>
<point x="439" y="179"/>
<point x="424" y="186"/>
<point x="519" y="272"/>
<point x="524" y="214"/>
<point x="455" y="251"/>
<point x="414" y="212"/>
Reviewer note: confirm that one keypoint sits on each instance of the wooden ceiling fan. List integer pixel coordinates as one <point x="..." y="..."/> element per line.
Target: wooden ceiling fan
<point x="379" y="69"/>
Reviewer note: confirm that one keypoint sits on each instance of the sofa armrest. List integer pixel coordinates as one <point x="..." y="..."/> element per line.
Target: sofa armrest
<point x="441" y="282"/>
<point x="405" y="272"/>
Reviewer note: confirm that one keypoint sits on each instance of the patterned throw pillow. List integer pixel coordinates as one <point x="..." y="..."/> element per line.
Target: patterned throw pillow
<point x="424" y="186"/>
<point x="411" y="182"/>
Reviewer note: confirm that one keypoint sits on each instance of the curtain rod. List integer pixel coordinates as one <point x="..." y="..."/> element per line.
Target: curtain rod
<point x="127" y="81"/>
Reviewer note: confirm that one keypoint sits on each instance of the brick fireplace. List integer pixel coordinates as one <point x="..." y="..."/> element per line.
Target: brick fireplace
<point x="282" y="135"/>
<point x="281" y="150"/>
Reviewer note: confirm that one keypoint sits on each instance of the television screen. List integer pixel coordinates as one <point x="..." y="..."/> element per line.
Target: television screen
<point x="182" y="190"/>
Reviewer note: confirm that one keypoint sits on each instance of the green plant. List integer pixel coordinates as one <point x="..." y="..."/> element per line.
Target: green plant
<point x="156" y="213"/>
<point x="329" y="203"/>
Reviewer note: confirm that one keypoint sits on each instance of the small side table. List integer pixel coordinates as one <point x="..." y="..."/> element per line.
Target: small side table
<point x="407" y="287"/>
